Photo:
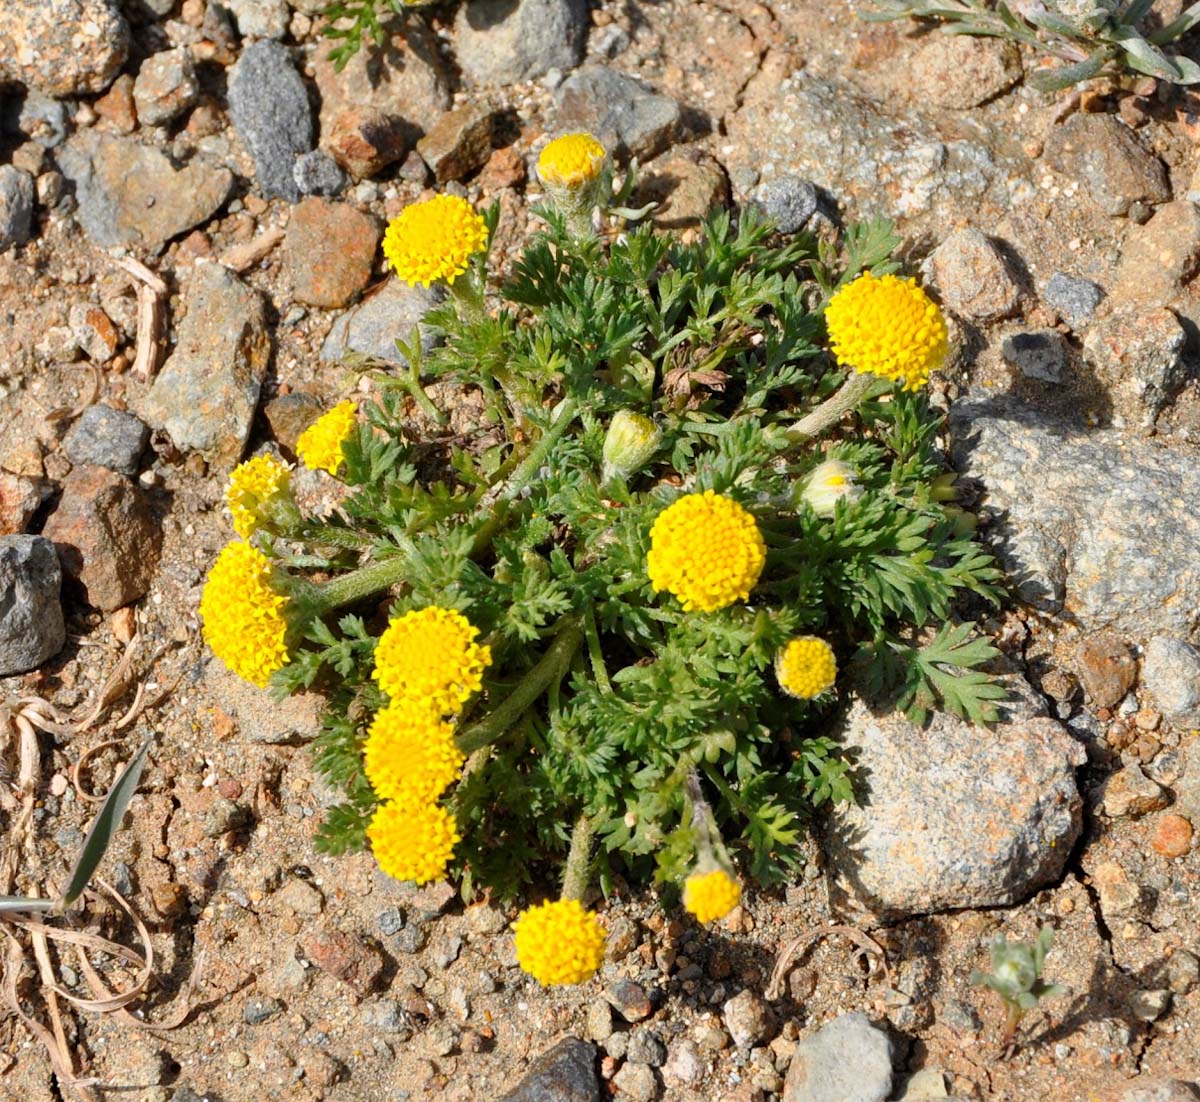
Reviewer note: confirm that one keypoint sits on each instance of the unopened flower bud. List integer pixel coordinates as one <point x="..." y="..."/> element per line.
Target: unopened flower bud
<point x="829" y="483"/>
<point x="632" y="439"/>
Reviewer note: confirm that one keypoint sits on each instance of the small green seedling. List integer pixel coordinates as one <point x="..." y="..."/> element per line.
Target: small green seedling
<point x="1016" y="976"/>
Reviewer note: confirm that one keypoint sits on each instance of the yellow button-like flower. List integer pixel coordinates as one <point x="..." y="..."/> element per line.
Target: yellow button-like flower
<point x="707" y="551"/>
<point x="413" y="841"/>
<point x="711" y="895"/>
<point x="320" y="445"/>
<point x="559" y="942"/>
<point x="430" y="656"/>
<point x="571" y="161"/>
<point x="243" y="615"/>
<point x="252" y="485"/>
<point x="434" y="240"/>
<point x="829" y="483"/>
<point x="410" y="754"/>
<point x="806" y="667"/>
<point x="887" y="326"/>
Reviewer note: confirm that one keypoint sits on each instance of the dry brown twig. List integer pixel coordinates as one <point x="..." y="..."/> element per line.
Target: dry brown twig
<point x="868" y="947"/>
<point x="152" y="292"/>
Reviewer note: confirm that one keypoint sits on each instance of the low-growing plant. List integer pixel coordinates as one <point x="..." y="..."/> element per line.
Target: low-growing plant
<point x="1016" y="976"/>
<point x="611" y="616"/>
<point x="1075" y="40"/>
<point x="350" y="22"/>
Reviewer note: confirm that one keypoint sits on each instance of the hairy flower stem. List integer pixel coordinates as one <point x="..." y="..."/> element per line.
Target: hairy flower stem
<point x="467" y="292"/>
<point x="536" y="459"/>
<point x="550" y="667"/>
<point x="575" y="876"/>
<point x="411" y="384"/>
<point x="832" y="410"/>
<point x="354" y="586"/>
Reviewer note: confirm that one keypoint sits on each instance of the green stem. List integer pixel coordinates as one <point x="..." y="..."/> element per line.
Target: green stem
<point x="832" y="410"/>
<point x="357" y="584"/>
<point x="579" y="859"/>
<point x="534" y="461"/>
<point x="599" y="669"/>
<point x="550" y="667"/>
<point x="412" y="386"/>
<point x="468" y="297"/>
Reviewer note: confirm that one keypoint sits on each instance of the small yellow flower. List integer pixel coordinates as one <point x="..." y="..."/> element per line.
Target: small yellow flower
<point x="320" y="445"/>
<point x="252" y="485"/>
<point x="434" y="240"/>
<point x="706" y="550"/>
<point x="243" y="615"/>
<point x="887" y="326"/>
<point x="430" y="655"/>
<point x="571" y="161"/>
<point x="413" y="841"/>
<point x="711" y="895"/>
<point x="410" y="755"/>
<point x="829" y="483"/>
<point x="559" y="942"/>
<point x="806" y="667"/>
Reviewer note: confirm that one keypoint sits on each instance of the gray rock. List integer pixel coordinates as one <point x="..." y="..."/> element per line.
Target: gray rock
<point x="107" y="437"/>
<point x="952" y="815"/>
<point x="1183" y="971"/>
<point x="788" y="201"/>
<point x="566" y="1073"/>
<point x="646" y="1047"/>
<point x="599" y="1021"/>
<point x="372" y="327"/>
<point x="1140" y="353"/>
<point x="270" y="110"/>
<point x="290" y="722"/>
<point x="973" y="276"/>
<point x="166" y="86"/>
<point x="1073" y="299"/>
<point x="42" y="119"/>
<point x="626" y="116"/>
<point x="636" y="1082"/>
<point x="132" y="194"/>
<point x="848" y="1060"/>
<point x="224" y="816"/>
<point x="1171" y="675"/>
<point x="1087" y="522"/>
<point x="1115" y="168"/>
<point x="684" y="1064"/>
<point x="62" y="47"/>
<point x="16" y="207"/>
<point x="207" y="391"/>
<point x="748" y="1019"/>
<point x="31" y="618"/>
<point x="1145" y="1089"/>
<point x="390" y="921"/>
<point x="1038" y="354"/>
<point x="257" y="1010"/>
<point x="506" y="41"/>
<point x="317" y="173"/>
<point x="825" y="130"/>
<point x="259" y="18"/>
<point x="386" y="1016"/>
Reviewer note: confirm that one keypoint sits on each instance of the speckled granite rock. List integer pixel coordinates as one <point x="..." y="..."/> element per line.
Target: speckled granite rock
<point x="373" y="326"/>
<point x="627" y="116"/>
<point x="1088" y="523"/>
<point x="31" y="619"/>
<point x="62" y="47"/>
<point x="207" y="391"/>
<point x="566" y="1073"/>
<point x="952" y="815"/>
<point x="848" y="1060"/>
<point x="506" y="41"/>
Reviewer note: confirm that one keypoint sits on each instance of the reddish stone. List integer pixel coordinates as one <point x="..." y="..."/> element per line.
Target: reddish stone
<point x="19" y="500"/>
<point x="358" y="964"/>
<point x="116" y="107"/>
<point x="1172" y="836"/>
<point x="329" y="252"/>
<point x="106" y="538"/>
<point x="505" y="169"/>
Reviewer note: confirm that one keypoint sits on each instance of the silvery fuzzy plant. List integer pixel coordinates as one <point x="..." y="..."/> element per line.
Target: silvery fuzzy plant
<point x="1089" y="38"/>
<point x="1016" y="976"/>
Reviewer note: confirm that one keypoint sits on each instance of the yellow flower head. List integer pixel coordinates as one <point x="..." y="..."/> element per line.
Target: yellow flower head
<point x="706" y="550"/>
<point x="559" y="942"/>
<point x="434" y="240"/>
<point x="252" y="485"/>
<point x="887" y="326"/>
<point x="829" y="483"/>
<point x="320" y="445"/>
<point x="430" y="656"/>
<point x="711" y="895"/>
<point x="410" y="755"/>
<point x="571" y="161"/>
<point x="806" y="667"/>
<point x="243" y="616"/>
<point x="413" y="841"/>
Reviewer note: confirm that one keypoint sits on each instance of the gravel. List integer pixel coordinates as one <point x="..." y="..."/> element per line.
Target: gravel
<point x="107" y="437"/>
<point x="1073" y="299"/>
<point x="317" y="173"/>
<point x="788" y="201"/>
<point x="271" y="112"/>
<point x="31" y="618"/>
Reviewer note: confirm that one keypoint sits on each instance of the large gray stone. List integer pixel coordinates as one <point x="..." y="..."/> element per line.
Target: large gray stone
<point x="207" y="392"/>
<point x="62" y="47"/>
<point x="629" y="118"/>
<point x="31" y="618"/>
<point x="952" y="815"/>
<point x="132" y="194"/>
<point x="371" y="328"/>
<point x="270" y="110"/>
<point x="107" y="437"/>
<point x="1171" y="675"/>
<point x="1090" y="524"/>
<point x="848" y="1060"/>
<point x="16" y="206"/>
<point x="566" y="1073"/>
<point x="506" y="41"/>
